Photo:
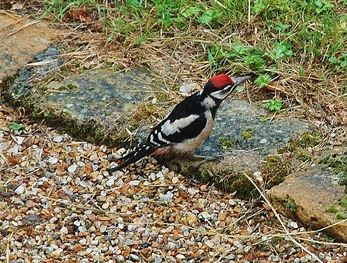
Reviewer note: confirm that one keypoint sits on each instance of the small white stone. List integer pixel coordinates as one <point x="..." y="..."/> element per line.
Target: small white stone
<point x="110" y="182"/>
<point x="209" y="243"/>
<point x="205" y="215"/>
<point x="20" y="189"/>
<point x="180" y="256"/>
<point x="157" y="259"/>
<point x="232" y="202"/>
<point x="171" y="245"/>
<point x="186" y="88"/>
<point x="53" y="160"/>
<point x="103" y="148"/>
<point x="103" y="228"/>
<point x="120" y="258"/>
<point x="64" y="230"/>
<point x="105" y="205"/>
<point x="175" y="180"/>
<point x="193" y="191"/>
<point x="152" y="176"/>
<point x="262" y="141"/>
<point x="58" y="138"/>
<point x="134" y="182"/>
<point x="19" y="139"/>
<point x="293" y="224"/>
<point x="93" y="157"/>
<point x="72" y="168"/>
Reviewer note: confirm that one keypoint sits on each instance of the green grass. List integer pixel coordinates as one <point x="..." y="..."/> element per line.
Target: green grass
<point x="289" y="29"/>
<point x="281" y="40"/>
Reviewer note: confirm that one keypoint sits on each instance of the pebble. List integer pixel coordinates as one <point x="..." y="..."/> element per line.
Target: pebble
<point x="192" y="218"/>
<point x="105" y="205"/>
<point x="180" y="256"/>
<point x="186" y="88"/>
<point x="20" y="189"/>
<point x="134" y="182"/>
<point x="53" y="160"/>
<point x="110" y="182"/>
<point x="134" y="257"/>
<point x="56" y="254"/>
<point x="263" y="141"/>
<point x="175" y="180"/>
<point x="293" y="224"/>
<point x="64" y="230"/>
<point x="71" y="209"/>
<point x="72" y="168"/>
<point x="57" y="138"/>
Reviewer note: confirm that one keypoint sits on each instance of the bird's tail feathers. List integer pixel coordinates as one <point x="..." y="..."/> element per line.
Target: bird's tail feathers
<point x="141" y="150"/>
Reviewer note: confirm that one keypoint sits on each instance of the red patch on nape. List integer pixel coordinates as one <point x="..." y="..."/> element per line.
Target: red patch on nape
<point x="221" y="80"/>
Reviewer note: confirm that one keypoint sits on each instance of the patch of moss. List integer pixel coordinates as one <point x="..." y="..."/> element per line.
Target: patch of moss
<point x="291" y="204"/>
<point x="311" y="139"/>
<point x="339" y="215"/>
<point x="343" y="202"/>
<point x="243" y="188"/>
<point x="338" y="165"/>
<point x="144" y="111"/>
<point x="209" y="173"/>
<point x="300" y="146"/>
<point x="204" y="175"/>
<point x="332" y="209"/>
<point x="225" y="142"/>
<point x="275" y="168"/>
<point x="248" y="133"/>
<point x="64" y="122"/>
<point x="69" y="86"/>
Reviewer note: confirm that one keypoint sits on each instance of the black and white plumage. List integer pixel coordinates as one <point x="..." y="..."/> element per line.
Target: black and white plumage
<point x="188" y="125"/>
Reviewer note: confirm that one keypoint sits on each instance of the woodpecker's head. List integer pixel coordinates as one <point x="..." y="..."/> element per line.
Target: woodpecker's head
<point x="220" y="86"/>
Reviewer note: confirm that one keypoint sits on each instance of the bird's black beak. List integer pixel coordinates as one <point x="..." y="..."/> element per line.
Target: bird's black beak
<point x="239" y="80"/>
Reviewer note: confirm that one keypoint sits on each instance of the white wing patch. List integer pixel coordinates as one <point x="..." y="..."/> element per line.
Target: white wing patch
<point x="151" y="139"/>
<point x="160" y="137"/>
<point x="169" y="128"/>
<point x="191" y="144"/>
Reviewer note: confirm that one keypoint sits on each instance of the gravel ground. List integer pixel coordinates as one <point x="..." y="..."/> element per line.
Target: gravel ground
<point x="59" y="204"/>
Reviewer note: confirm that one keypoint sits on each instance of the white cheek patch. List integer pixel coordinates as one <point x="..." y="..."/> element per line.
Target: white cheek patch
<point x="223" y="93"/>
<point x="169" y="128"/>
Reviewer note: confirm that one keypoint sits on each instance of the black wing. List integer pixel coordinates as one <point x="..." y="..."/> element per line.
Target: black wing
<point x="189" y="106"/>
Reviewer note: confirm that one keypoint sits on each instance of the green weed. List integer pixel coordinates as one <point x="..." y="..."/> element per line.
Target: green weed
<point x="332" y="209"/>
<point x="291" y="204"/>
<point x="16" y="126"/>
<point x="274" y="105"/>
<point x="263" y="80"/>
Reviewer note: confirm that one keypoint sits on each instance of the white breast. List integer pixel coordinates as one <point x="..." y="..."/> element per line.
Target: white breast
<point x="191" y="144"/>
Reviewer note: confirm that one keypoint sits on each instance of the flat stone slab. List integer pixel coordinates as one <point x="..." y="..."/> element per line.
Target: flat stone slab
<point x="98" y="95"/>
<point x="242" y="126"/>
<point x="21" y="39"/>
<point x="312" y="191"/>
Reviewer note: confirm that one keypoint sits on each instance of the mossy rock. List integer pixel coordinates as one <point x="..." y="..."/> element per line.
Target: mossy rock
<point x="227" y="175"/>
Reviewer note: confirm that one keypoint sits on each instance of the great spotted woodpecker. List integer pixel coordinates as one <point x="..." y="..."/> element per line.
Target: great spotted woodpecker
<point x="188" y="125"/>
